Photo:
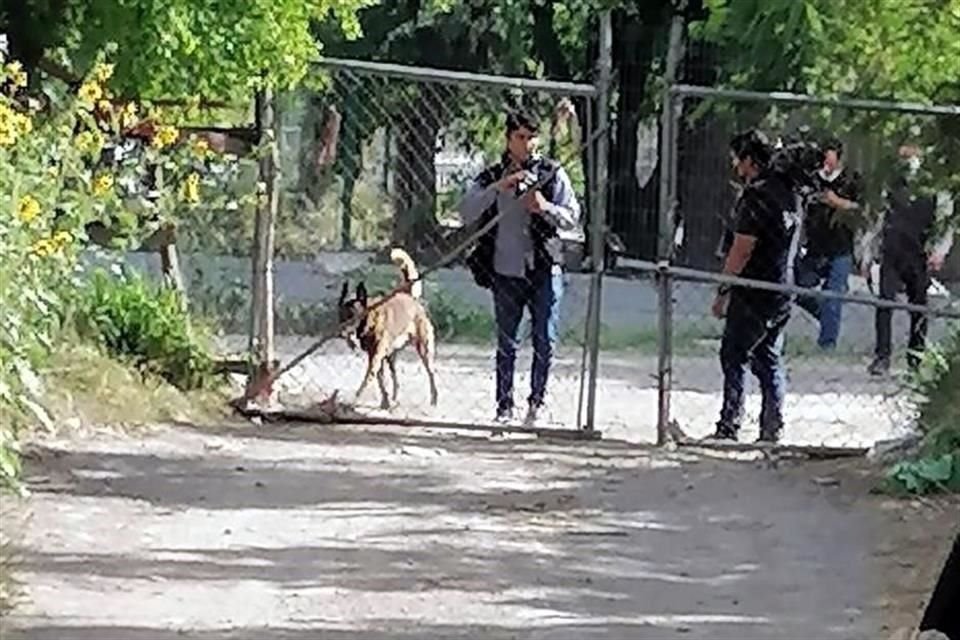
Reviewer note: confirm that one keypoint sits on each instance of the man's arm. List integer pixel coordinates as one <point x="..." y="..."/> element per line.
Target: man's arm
<point x="739" y="254"/>
<point x="941" y="249"/>
<point x="737" y="258"/>
<point x="564" y="211"/>
<point x="851" y="188"/>
<point x="744" y="243"/>
<point x="478" y="198"/>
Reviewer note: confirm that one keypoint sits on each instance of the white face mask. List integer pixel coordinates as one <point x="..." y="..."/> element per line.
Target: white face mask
<point x="913" y="164"/>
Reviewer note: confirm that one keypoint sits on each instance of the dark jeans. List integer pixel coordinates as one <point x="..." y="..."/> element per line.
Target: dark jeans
<point x="897" y="272"/>
<point x="541" y="294"/>
<point x="753" y="335"/>
<point x="833" y="274"/>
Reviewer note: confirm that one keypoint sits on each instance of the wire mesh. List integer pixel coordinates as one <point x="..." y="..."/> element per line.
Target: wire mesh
<point x="380" y="157"/>
<point x="834" y="395"/>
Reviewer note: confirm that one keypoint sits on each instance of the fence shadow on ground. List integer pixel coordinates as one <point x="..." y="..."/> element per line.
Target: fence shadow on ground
<point x="366" y="533"/>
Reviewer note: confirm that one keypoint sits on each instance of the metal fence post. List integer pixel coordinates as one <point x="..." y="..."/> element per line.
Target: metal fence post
<point x="598" y="210"/>
<point x="664" y="350"/>
<point x="262" y="320"/>
<point x="668" y="182"/>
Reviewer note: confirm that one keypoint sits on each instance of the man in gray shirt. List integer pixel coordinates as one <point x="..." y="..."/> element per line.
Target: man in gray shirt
<point x="520" y="259"/>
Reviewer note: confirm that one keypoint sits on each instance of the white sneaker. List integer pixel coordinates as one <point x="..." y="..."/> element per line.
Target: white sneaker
<point x="533" y="415"/>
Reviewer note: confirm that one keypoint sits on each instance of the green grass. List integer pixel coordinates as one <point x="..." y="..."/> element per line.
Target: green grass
<point x="95" y="388"/>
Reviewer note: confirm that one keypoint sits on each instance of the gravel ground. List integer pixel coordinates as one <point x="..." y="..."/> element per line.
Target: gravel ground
<point x="831" y="402"/>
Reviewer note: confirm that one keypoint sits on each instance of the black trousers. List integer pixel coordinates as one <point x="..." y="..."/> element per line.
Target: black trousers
<point x="941" y="613"/>
<point x="901" y="270"/>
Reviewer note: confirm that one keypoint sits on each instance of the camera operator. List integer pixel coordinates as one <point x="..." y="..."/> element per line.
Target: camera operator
<point x="520" y="258"/>
<point x="766" y="221"/>
<point x="827" y="257"/>
<point x="909" y="252"/>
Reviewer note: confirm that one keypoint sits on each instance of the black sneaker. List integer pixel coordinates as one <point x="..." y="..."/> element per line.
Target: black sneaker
<point x="879" y="367"/>
<point x="769" y="436"/>
<point x="724" y="433"/>
<point x="504" y="415"/>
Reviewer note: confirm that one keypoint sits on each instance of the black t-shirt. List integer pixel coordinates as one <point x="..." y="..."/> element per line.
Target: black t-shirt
<point x="767" y="211"/>
<point x="910" y="219"/>
<point x="828" y="233"/>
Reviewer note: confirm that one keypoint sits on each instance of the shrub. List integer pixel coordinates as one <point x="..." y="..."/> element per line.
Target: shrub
<point x="73" y="162"/>
<point x="937" y="384"/>
<point x="146" y="324"/>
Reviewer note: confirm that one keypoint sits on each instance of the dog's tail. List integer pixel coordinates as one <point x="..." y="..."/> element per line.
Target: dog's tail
<point x="408" y="270"/>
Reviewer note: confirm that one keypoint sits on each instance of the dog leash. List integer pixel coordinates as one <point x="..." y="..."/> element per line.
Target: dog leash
<point x="267" y="380"/>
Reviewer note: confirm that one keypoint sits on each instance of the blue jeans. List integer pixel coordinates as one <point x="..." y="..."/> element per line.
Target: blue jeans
<point x="541" y="294"/>
<point x="832" y="273"/>
<point x="753" y="334"/>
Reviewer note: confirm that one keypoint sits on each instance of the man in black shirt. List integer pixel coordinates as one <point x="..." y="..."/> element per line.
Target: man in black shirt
<point x="827" y="257"/>
<point x="766" y="221"/>
<point x="910" y="250"/>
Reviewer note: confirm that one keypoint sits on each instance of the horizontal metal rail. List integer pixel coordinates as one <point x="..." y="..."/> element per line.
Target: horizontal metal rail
<point x="683" y="273"/>
<point x="430" y="74"/>
<point x="783" y="97"/>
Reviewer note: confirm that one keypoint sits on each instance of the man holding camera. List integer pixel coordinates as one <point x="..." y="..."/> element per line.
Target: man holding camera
<point x="520" y="259"/>
<point x="766" y="221"/>
<point x="827" y="258"/>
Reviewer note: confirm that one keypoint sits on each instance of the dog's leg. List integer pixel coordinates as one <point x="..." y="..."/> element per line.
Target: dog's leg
<point x="392" y="362"/>
<point x="381" y="380"/>
<point x="374" y="367"/>
<point x="426" y="349"/>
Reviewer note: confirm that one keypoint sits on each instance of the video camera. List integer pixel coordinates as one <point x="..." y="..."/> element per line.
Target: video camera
<point x="799" y="162"/>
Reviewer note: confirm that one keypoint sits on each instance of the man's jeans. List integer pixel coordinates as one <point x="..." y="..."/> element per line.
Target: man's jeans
<point x="541" y="294"/>
<point x="833" y="274"/>
<point x="753" y="335"/>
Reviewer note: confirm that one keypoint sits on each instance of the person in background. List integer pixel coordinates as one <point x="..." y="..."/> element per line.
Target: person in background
<point x="766" y="220"/>
<point x="520" y="259"/>
<point x="827" y="256"/>
<point x="910" y="250"/>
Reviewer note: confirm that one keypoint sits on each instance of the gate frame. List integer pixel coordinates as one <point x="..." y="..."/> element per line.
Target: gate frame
<point x="262" y="327"/>
<point x="664" y="270"/>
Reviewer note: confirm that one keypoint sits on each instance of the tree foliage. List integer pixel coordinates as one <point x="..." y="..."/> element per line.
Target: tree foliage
<point x="875" y="49"/>
<point x="176" y="48"/>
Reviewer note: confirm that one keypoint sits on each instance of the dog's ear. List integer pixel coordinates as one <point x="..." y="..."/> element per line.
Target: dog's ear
<point x="343" y="292"/>
<point x="362" y="293"/>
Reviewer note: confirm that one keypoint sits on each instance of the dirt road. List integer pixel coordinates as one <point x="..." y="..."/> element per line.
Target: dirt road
<point x="299" y="532"/>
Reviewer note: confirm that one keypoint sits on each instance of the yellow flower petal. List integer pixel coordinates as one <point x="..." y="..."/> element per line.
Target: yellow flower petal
<point x="28" y="209"/>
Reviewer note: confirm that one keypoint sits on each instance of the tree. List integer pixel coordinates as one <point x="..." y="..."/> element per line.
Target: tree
<point x="893" y="50"/>
<point x="177" y="48"/>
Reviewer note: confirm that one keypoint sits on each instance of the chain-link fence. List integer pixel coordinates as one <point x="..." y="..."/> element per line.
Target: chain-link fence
<point x="379" y="157"/>
<point x="845" y="244"/>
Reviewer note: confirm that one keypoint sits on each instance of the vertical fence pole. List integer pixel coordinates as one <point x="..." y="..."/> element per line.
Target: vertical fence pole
<point x="668" y="166"/>
<point x="262" y="322"/>
<point x="664" y="350"/>
<point x="598" y="212"/>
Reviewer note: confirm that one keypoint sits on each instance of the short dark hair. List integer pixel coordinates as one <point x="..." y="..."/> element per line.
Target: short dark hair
<point x="834" y="144"/>
<point x="753" y="144"/>
<point x="522" y="119"/>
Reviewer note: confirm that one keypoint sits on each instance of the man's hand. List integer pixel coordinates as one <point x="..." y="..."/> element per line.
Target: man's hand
<point x="720" y="303"/>
<point x="509" y="182"/>
<point x="935" y="261"/>
<point x="535" y="202"/>
<point x="830" y="198"/>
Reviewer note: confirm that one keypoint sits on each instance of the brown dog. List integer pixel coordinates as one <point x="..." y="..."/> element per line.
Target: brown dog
<point x="381" y="327"/>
